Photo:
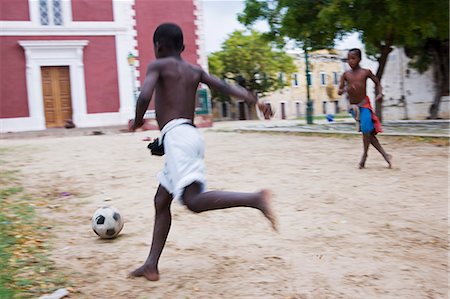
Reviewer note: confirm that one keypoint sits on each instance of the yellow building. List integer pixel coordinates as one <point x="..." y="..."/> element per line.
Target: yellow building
<point x="326" y="68"/>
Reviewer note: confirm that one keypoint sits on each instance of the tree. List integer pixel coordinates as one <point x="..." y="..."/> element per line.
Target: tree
<point x="428" y="45"/>
<point x="216" y="68"/>
<point x="436" y="53"/>
<point x="382" y="24"/>
<point x="251" y="61"/>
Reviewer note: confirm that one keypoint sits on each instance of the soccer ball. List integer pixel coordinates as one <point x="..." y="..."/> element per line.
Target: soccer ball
<point x="107" y="222"/>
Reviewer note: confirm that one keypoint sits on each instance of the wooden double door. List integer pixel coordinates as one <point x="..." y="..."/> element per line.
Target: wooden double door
<point x="56" y="94"/>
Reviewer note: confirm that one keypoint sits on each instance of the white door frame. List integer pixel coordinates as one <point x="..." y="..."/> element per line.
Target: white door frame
<point x="54" y="53"/>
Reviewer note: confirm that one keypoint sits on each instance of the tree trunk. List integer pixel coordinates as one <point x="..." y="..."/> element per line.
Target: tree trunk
<point x="441" y="75"/>
<point x="252" y="112"/>
<point x="384" y="50"/>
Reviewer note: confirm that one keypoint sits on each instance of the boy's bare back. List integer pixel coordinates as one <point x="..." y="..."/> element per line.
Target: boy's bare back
<point x="175" y="83"/>
<point x="175" y="90"/>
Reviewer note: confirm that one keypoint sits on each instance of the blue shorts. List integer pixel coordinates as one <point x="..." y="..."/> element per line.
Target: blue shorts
<point x="365" y="119"/>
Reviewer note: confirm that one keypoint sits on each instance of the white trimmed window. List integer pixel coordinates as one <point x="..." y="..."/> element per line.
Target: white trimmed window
<point x="295" y="79"/>
<point x="50" y="13"/>
<point x="323" y="78"/>
<point x="335" y="78"/>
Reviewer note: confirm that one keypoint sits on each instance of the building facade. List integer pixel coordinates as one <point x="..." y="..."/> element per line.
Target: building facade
<point x="325" y="67"/>
<point x="407" y="93"/>
<point x="83" y="61"/>
<point x="325" y="70"/>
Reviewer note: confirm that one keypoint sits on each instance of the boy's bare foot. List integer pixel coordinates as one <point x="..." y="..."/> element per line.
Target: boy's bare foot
<point x="266" y="208"/>
<point x="389" y="160"/>
<point x="152" y="275"/>
<point x="362" y="163"/>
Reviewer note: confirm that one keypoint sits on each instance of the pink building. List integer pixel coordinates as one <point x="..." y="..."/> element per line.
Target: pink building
<point x="68" y="59"/>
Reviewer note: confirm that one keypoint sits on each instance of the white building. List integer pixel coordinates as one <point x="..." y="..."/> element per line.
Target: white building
<point x="407" y="93"/>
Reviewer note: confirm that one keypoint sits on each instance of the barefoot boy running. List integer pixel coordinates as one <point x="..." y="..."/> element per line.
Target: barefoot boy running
<point x="368" y="122"/>
<point x="175" y="83"/>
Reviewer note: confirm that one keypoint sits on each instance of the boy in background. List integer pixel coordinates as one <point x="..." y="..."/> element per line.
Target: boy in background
<point x="367" y="122"/>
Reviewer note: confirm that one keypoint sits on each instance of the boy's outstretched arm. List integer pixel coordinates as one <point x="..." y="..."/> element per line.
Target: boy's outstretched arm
<point x="378" y="88"/>
<point x="237" y="91"/>
<point x="145" y="96"/>
<point x="223" y="87"/>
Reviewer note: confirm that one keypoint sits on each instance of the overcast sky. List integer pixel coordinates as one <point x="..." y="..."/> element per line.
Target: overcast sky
<point x="220" y="19"/>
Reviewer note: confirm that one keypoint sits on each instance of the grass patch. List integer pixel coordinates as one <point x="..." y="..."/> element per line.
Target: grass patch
<point x="26" y="270"/>
<point x="438" y="141"/>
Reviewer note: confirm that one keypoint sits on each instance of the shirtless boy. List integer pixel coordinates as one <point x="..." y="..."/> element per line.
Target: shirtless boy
<point x="355" y="80"/>
<point x="175" y="84"/>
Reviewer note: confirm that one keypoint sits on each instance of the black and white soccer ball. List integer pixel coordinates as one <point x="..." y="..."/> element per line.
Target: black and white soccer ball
<point x="107" y="222"/>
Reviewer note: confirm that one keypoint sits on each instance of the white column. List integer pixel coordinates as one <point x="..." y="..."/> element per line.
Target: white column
<point x="200" y="42"/>
<point x="34" y="12"/>
<point x="34" y="94"/>
<point x="125" y="43"/>
<point x="79" y="106"/>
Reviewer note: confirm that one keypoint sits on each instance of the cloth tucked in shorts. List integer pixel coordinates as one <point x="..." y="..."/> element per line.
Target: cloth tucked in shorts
<point x="365" y="120"/>
<point x="368" y="121"/>
<point x="184" y="157"/>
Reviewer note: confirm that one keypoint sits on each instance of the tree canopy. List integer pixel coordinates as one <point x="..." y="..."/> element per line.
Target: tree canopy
<point x="382" y="24"/>
<point x="251" y="61"/>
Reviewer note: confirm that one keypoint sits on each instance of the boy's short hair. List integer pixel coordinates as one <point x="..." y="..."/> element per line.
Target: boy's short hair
<point x="170" y="35"/>
<point x="356" y="51"/>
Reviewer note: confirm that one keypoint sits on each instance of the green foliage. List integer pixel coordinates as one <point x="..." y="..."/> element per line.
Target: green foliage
<point x="421" y="27"/>
<point x="381" y="23"/>
<point x="26" y="271"/>
<point x="299" y="20"/>
<point x="428" y="33"/>
<point x="252" y="61"/>
<point x="216" y="68"/>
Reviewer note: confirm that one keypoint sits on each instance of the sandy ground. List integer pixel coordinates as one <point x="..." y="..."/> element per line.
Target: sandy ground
<point x="344" y="232"/>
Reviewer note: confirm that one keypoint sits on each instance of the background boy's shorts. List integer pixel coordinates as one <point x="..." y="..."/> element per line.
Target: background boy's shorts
<point x="365" y="120"/>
